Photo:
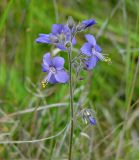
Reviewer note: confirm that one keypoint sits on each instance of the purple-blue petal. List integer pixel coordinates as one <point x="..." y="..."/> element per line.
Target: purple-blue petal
<point x="92" y="120"/>
<point x="98" y="48"/>
<point x="61" y="46"/>
<point x="61" y="76"/>
<point x="45" y="68"/>
<point x="86" y="49"/>
<point x="66" y="29"/>
<point x="73" y="41"/>
<point x="67" y="37"/>
<point x="91" y="39"/>
<point x="99" y="55"/>
<point x="58" y="62"/>
<point x="67" y="32"/>
<point x="57" y="28"/>
<point x="89" y="22"/>
<point x="47" y="60"/>
<point x="52" y="79"/>
<point x="53" y="38"/>
<point x="44" y="35"/>
<point x="43" y="38"/>
<point x="91" y="62"/>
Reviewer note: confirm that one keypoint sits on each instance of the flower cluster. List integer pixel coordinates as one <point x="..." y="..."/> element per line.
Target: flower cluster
<point x="60" y="36"/>
<point x="63" y="36"/>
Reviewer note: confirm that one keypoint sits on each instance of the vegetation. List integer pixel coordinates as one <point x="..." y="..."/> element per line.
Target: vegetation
<point x="30" y="113"/>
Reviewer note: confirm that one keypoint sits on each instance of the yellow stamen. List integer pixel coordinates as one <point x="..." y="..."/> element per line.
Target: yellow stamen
<point x="43" y="84"/>
<point x="108" y="60"/>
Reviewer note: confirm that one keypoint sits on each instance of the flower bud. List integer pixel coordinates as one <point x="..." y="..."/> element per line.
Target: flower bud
<point x="88" y="117"/>
<point x="68" y="44"/>
<point x="80" y="27"/>
<point x="71" y="23"/>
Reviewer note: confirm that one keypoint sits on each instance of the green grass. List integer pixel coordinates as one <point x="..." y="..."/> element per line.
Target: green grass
<point x="111" y="90"/>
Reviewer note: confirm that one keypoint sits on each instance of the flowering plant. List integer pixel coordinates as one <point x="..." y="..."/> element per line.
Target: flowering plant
<point x="64" y="38"/>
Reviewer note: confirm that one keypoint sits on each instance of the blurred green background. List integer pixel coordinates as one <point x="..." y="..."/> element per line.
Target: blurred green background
<point x="111" y="90"/>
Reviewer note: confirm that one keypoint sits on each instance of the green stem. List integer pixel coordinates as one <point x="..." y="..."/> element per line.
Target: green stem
<point x="71" y="103"/>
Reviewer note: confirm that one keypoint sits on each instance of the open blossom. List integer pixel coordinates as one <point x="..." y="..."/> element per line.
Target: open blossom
<point x="55" y="70"/>
<point x="93" y="51"/>
<point x="60" y="35"/>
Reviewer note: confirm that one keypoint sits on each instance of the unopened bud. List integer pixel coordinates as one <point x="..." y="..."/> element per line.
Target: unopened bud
<point x="68" y="44"/>
<point x="88" y="117"/>
<point x="71" y="22"/>
<point x="81" y="78"/>
<point x="80" y="27"/>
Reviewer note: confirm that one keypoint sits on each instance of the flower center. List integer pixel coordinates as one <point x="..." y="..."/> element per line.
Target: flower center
<point x="93" y="50"/>
<point x="52" y="70"/>
<point x="61" y="37"/>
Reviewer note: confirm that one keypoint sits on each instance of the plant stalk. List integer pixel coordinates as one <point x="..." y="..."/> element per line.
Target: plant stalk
<point x="71" y="102"/>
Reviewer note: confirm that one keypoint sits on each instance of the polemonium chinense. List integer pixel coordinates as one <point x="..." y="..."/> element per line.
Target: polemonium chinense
<point x="93" y="52"/>
<point x="59" y="36"/>
<point x="54" y="67"/>
<point x="63" y="37"/>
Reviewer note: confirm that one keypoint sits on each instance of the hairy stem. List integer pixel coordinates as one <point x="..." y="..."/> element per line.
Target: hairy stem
<point x="71" y="103"/>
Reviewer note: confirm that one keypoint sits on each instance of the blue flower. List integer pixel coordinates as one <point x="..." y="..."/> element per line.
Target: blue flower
<point x="60" y="35"/>
<point x="55" y="70"/>
<point x="93" y="51"/>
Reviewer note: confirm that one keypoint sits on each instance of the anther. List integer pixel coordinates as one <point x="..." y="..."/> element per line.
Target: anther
<point x="108" y="60"/>
<point x="43" y="84"/>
